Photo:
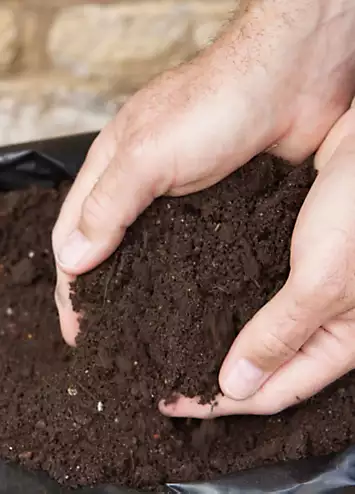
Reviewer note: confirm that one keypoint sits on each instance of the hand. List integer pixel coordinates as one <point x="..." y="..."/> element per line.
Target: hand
<point x="272" y="79"/>
<point x="304" y="338"/>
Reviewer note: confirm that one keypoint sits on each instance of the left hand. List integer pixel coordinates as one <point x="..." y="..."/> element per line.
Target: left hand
<point x="304" y="338"/>
<point x="272" y="78"/>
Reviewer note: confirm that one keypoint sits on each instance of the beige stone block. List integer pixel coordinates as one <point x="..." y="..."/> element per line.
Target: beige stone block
<point x="105" y="39"/>
<point x="213" y="19"/>
<point x="34" y="27"/>
<point x="31" y="110"/>
<point x="8" y="38"/>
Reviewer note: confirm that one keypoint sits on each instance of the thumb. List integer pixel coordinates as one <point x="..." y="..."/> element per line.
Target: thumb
<point x="272" y="338"/>
<point x="126" y="187"/>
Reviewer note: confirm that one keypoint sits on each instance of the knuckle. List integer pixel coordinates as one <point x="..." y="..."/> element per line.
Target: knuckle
<point x="95" y="212"/>
<point x="146" y="157"/>
<point x="275" y="350"/>
<point x="136" y="149"/>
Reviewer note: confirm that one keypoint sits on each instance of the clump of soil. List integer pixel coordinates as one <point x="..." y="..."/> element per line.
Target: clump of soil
<point x="159" y="317"/>
<point x="187" y="277"/>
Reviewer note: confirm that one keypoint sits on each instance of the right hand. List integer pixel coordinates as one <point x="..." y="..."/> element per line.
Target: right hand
<point x="303" y="339"/>
<point x="272" y="80"/>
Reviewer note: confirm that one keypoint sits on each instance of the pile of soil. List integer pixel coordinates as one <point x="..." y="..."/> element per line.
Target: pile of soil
<point x="160" y="315"/>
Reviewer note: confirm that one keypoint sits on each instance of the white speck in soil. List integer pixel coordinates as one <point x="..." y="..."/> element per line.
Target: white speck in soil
<point x="31" y="254"/>
<point x="40" y="424"/>
<point x="11" y="448"/>
<point x="66" y="477"/>
<point x="100" y="406"/>
<point x="87" y="371"/>
<point x="135" y="363"/>
<point x="116" y="420"/>
<point x="9" y="311"/>
<point x="72" y="391"/>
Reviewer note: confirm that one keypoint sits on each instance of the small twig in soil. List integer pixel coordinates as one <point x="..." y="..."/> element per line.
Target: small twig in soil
<point x="110" y="276"/>
<point x="45" y="381"/>
<point x="145" y="239"/>
<point x="256" y="283"/>
<point x="221" y="289"/>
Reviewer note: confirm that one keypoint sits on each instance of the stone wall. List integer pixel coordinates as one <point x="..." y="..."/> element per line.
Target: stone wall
<point x="66" y="65"/>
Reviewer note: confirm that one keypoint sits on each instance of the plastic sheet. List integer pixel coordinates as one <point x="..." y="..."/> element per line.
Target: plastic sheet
<point x="47" y="163"/>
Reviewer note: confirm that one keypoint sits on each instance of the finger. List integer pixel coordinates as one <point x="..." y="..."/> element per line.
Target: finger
<point x="272" y="338"/>
<point x="97" y="160"/>
<point x="328" y="355"/>
<point x="95" y="163"/>
<point x="126" y="187"/>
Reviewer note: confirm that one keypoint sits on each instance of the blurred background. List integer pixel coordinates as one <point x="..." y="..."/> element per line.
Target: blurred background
<point x="67" y="65"/>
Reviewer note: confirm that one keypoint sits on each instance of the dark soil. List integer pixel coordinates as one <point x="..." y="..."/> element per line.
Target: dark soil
<point x="160" y="316"/>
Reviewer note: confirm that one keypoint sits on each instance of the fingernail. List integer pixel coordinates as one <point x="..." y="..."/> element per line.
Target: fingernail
<point x="74" y="249"/>
<point x="243" y="380"/>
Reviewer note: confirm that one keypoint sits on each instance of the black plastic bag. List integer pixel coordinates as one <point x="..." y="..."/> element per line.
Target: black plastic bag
<point x="47" y="163"/>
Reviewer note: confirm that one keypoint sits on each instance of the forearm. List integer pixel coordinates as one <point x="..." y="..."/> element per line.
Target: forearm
<point x="302" y="53"/>
<point x="277" y="26"/>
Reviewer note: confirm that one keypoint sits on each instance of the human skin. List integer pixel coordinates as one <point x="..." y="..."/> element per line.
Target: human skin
<point x="304" y="338"/>
<point x="279" y="78"/>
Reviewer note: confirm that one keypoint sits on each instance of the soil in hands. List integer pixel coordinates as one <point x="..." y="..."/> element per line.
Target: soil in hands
<point x="160" y="315"/>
